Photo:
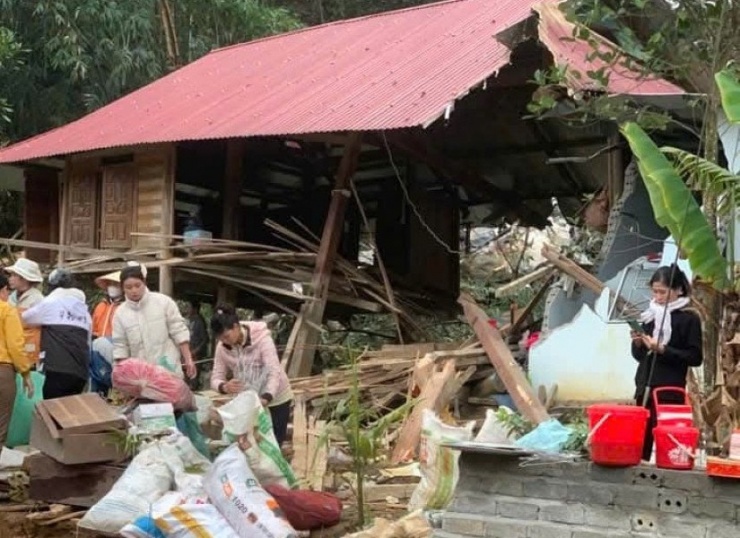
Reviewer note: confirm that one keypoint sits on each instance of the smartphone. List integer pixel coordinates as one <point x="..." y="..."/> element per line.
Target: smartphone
<point x="635" y="325"/>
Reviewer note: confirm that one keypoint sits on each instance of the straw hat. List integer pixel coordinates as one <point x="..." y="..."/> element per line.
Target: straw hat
<point x="27" y="269"/>
<point x="111" y="278"/>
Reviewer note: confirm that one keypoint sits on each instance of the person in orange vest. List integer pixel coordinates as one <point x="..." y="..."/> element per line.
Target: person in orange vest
<point x="102" y="315"/>
<point x="24" y="278"/>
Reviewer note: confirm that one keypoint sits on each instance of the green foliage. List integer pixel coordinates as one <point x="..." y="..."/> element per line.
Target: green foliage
<point x="514" y="423"/>
<point x="676" y="209"/>
<point x="578" y="423"/>
<point x="82" y="54"/>
<point x="729" y="90"/>
<point x="703" y="175"/>
<point x="364" y="429"/>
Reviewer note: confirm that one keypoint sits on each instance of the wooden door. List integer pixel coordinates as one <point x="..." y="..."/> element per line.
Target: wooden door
<point x="82" y="196"/>
<point x="41" y="211"/>
<point x="118" y="206"/>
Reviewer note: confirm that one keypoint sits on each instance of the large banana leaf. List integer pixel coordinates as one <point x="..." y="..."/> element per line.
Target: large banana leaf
<point x="676" y="209"/>
<point x="711" y="179"/>
<point x="729" y="90"/>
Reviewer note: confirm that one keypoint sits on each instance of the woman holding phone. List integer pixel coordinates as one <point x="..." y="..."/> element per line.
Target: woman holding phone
<point x="668" y="344"/>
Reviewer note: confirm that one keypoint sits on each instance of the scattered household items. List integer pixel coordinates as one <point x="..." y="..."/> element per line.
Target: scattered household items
<point x="438" y="464"/>
<point x="307" y="510"/>
<point x="154" y="418"/>
<point x="235" y="492"/>
<point x="723" y="468"/>
<point x="616" y="434"/>
<point x="140" y="379"/>
<point x="77" y="429"/>
<point x="676" y="438"/>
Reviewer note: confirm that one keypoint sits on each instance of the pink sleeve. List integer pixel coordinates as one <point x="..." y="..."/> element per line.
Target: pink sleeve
<point x="272" y="365"/>
<point x="220" y="368"/>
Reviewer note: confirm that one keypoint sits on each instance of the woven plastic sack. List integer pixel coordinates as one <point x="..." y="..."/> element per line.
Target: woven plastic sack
<point x="147" y="478"/>
<point x="246" y="421"/>
<point x="307" y="510"/>
<point x="139" y="379"/>
<point x="19" y="431"/>
<point x="249" y="509"/>
<point x="438" y="464"/>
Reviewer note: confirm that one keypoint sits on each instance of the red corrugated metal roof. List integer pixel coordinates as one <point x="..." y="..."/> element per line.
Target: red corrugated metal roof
<point x="556" y="33"/>
<point x="386" y="71"/>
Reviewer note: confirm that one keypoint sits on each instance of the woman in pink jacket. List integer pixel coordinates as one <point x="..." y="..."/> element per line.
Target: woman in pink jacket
<point x="246" y="358"/>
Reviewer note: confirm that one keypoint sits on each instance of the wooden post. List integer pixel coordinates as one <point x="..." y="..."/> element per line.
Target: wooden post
<point x="168" y="222"/>
<point x="305" y="336"/>
<point x="232" y="189"/>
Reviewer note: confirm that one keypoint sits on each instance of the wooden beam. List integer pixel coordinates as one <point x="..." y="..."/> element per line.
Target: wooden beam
<point x="470" y="180"/>
<point x="508" y="370"/>
<point x="168" y="220"/>
<point x="312" y="312"/>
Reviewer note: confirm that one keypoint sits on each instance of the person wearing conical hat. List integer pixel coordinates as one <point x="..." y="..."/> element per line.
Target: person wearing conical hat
<point x="25" y="278"/>
<point x="102" y="315"/>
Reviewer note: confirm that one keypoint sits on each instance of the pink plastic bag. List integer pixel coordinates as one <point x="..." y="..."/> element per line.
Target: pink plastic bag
<point x="139" y="379"/>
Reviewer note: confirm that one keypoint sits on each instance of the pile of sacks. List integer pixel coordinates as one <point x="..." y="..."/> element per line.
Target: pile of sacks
<point x="170" y="490"/>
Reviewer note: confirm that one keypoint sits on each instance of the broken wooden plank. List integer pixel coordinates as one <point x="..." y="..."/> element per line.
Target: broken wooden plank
<point x="74" y="485"/>
<point x="429" y="398"/>
<point x="516" y="285"/>
<point x="509" y="371"/>
<point x="317" y="453"/>
<point x="300" y="439"/>
<point x="380" y="492"/>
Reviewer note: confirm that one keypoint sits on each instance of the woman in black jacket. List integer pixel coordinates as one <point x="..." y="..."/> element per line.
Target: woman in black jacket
<point x="671" y="339"/>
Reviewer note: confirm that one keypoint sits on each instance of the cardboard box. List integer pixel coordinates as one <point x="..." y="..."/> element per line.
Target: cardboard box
<point x="155" y="417"/>
<point x="78" y="429"/>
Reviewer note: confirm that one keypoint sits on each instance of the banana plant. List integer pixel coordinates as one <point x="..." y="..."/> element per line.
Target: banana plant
<point x="664" y="171"/>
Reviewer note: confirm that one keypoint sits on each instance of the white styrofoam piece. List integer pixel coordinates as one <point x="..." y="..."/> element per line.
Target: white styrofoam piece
<point x="589" y="359"/>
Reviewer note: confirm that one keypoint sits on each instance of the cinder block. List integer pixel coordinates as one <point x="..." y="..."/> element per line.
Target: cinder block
<point x="473" y="503"/>
<point x="681" y="526"/>
<point x="643" y="522"/>
<point x="606" y="518"/>
<point x="549" y="530"/>
<point x="723" y="530"/>
<point x="463" y="524"/>
<point x="672" y="501"/>
<point x="712" y="508"/>
<point x="591" y="494"/>
<point x="504" y="485"/>
<point x="692" y="481"/>
<point x="645" y="497"/>
<point x="506" y="528"/>
<point x="514" y="508"/>
<point x="725" y="487"/>
<point x="647" y="476"/>
<point x="541" y="488"/>
<point x="571" y="514"/>
<point x="609" y="475"/>
<point x="589" y="533"/>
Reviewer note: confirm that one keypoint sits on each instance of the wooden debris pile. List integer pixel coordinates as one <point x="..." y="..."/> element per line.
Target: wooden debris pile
<point x="272" y="274"/>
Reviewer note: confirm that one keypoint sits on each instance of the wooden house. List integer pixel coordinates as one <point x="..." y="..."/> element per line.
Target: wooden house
<point x="423" y="111"/>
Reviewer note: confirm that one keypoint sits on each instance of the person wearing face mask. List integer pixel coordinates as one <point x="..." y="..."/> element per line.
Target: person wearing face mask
<point x="148" y="326"/>
<point x="102" y="316"/>
<point x="668" y="345"/>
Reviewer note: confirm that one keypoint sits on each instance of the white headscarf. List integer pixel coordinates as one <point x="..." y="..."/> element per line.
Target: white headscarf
<point x="661" y="315"/>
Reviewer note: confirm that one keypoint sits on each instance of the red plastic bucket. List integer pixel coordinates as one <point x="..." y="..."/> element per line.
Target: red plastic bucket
<point x="675" y="447"/>
<point x="673" y="414"/>
<point x="616" y="434"/>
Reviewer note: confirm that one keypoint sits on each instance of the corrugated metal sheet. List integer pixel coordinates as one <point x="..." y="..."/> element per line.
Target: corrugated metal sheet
<point x="392" y="70"/>
<point x="556" y="33"/>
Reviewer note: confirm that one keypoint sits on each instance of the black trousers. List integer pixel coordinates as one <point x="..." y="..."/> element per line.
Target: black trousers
<point x="58" y="385"/>
<point x="664" y="398"/>
<point x="280" y="415"/>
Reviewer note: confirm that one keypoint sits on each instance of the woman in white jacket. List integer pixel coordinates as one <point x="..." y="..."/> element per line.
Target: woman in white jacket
<point x="149" y="326"/>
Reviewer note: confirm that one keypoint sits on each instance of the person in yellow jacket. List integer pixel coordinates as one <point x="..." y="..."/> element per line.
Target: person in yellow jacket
<point x="25" y="278"/>
<point x="12" y="358"/>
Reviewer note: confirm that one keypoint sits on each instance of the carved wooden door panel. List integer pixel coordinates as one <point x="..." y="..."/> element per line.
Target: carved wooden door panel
<point x="82" y="192"/>
<point x="118" y="206"/>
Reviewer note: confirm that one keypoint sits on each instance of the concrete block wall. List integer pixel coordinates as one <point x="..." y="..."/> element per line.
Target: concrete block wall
<point x="498" y="498"/>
